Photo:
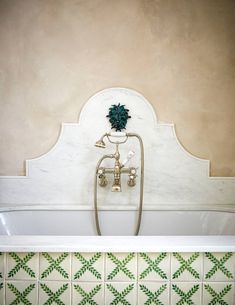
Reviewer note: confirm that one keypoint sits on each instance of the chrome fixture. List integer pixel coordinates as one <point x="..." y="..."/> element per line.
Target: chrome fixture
<point x="117" y="171"/>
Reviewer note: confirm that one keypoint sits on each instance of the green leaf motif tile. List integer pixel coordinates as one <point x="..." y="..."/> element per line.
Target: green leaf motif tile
<point x="87" y="265"/>
<point x="54" y="296"/>
<point x="153" y="265"/>
<point x="119" y="297"/>
<point x="217" y="297"/>
<point x="87" y="296"/>
<point x="153" y="297"/>
<point x="218" y="264"/>
<point x="21" y="297"/>
<point x="186" y="265"/>
<point x="21" y="263"/>
<point x="1" y="276"/>
<point x="185" y="297"/>
<point x="2" y="293"/>
<point x="120" y="266"/>
<point x="54" y="265"/>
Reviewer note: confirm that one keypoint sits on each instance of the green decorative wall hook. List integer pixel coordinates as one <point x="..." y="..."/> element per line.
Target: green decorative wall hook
<point x="118" y="116"/>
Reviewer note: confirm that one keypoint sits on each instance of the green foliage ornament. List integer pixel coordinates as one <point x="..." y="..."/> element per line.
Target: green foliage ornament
<point x="118" y="116"/>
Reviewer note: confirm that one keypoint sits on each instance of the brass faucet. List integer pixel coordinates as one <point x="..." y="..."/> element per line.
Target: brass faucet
<point x="118" y="169"/>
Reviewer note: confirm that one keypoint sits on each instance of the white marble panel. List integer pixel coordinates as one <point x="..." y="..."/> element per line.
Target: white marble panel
<point x="64" y="176"/>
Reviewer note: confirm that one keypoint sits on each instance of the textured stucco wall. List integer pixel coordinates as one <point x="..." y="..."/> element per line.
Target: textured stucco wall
<point x="55" y="54"/>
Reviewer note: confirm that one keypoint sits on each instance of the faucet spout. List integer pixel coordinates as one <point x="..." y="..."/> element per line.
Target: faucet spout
<point x="116" y="187"/>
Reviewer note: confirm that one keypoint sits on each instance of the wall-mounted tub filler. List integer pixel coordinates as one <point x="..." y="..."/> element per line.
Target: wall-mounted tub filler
<point x="119" y="168"/>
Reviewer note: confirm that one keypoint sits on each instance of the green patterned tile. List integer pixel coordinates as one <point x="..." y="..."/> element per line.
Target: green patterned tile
<point x="219" y="266"/>
<point x="55" y="266"/>
<point x="186" y="266"/>
<point x="2" y="293"/>
<point x="88" y="267"/>
<point x="120" y="293"/>
<point x="153" y="266"/>
<point x="218" y="293"/>
<point x="121" y="266"/>
<point x="153" y="293"/>
<point x="21" y="292"/>
<point x="2" y="265"/>
<point x="22" y="266"/>
<point x="88" y="293"/>
<point x="186" y="293"/>
<point x="53" y="292"/>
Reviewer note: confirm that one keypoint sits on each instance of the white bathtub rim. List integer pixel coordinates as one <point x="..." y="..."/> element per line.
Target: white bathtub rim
<point x="230" y="208"/>
<point x="23" y="243"/>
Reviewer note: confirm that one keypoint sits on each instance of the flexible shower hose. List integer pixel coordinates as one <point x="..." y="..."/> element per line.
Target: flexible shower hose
<point x="141" y="186"/>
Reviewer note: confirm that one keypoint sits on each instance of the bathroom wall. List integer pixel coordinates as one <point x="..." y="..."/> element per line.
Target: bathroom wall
<point x="56" y="54"/>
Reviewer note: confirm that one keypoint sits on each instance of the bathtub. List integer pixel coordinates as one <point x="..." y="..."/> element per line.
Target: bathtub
<point x="61" y="222"/>
<point x="54" y="257"/>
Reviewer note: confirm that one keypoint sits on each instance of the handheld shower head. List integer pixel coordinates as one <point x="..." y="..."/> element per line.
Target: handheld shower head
<point x="100" y="143"/>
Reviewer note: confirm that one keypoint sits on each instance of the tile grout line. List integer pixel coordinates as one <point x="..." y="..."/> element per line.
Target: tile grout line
<point x="170" y="290"/>
<point x="104" y="276"/>
<point x="137" y="278"/>
<point x="39" y="255"/>
<point x="233" y="277"/>
<point x="202" y="277"/>
<point x="71" y="277"/>
<point x="4" y="276"/>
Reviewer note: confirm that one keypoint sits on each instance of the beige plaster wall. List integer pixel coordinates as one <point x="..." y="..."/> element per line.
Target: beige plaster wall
<point x="55" y="54"/>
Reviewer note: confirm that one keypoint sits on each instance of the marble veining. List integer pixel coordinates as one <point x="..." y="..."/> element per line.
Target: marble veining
<point x="174" y="179"/>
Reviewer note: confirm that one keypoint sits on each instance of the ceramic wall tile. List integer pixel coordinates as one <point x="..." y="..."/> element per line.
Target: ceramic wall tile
<point x="23" y="266"/>
<point x="2" y="262"/>
<point x="54" y="292"/>
<point x="121" y="267"/>
<point x="2" y="297"/>
<point x="120" y="293"/>
<point x="218" y="293"/>
<point x="153" y="266"/>
<point x="88" y="266"/>
<point x="117" y="278"/>
<point x="87" y="293"/>
<point x="153" y="293"/>
<point x="219" y="266"/>
<point x="186" y="293"/>
<point x="55" y="266"/>
<point x="21" y="292"/>
<point x="186" y="266"/>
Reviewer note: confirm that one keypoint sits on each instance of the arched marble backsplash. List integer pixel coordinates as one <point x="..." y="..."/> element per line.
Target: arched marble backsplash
<point x="63" y="177"/>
